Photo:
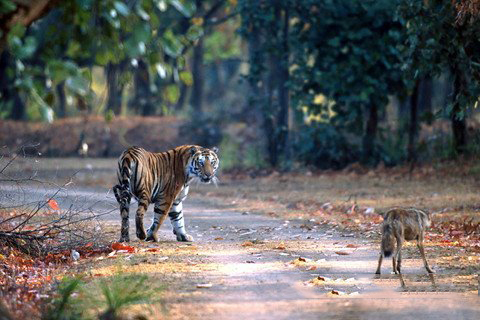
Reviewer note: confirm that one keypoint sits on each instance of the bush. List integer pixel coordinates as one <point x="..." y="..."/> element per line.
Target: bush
<point x="325" y="147"/>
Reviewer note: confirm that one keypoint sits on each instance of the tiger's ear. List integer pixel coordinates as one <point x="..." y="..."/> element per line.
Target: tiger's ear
<point x="215" y="149"/>
<point x="193" y="150"/>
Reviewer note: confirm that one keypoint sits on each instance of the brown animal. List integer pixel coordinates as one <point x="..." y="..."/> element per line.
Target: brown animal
<point x="403" y="224"/>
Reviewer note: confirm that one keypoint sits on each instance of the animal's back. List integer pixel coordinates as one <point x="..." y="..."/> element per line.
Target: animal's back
<point x="133" y="171"/>
<point x="407" y="222"/>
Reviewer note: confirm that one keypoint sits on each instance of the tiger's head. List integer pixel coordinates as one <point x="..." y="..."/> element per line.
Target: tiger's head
<point x="204" y="164"/>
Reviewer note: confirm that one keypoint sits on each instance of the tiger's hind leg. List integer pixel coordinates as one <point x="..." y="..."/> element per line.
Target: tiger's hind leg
<point x="158" y="219"/>
<point x="142" y="208"/>
<point x="123" y="198"/>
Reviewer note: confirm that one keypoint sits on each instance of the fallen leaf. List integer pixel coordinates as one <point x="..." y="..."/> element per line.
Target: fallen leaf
<point x="219" y="238"/>
<point x="320" y="278"/>
<point x="342" y="253"/>
<point x="334" y="292"/>
<point x="152" y="249"/>
<point x="53" y="204"/>
<point x="120" y="247"/>
<point x="312" y="268"/>
<point x="247" y="244"/>
<point x="250" y="261"/>
<point x="204" y="285"/>
<point x="302" y="259"/>
<point x="281" y="246"/>
<point x="350" y="245"/>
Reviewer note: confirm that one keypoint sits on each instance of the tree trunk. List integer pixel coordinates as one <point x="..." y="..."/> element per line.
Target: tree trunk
<point x="196" y="98"/>
<point x="115" y="88"/>
<point x="269" y="114"/>
<point x="142" y="99"/>
<point x="62" y="101"/>
<point x="183" y="97"/>
<point x="425" y="95"/>
<point x="413" y="125"/>
<point x="370" y="135"/>
<point x="283" y="91"/>
<point x="459" y="126"/>
<point x="9" y="94"/>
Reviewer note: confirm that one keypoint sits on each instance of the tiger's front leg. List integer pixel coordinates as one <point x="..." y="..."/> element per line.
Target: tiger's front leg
<point x="178" y="223"/>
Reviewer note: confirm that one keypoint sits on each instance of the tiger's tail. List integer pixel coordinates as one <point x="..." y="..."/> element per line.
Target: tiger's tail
<point x="122" y="190"/>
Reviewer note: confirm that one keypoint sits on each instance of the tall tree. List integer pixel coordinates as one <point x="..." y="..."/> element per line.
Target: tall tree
<point x="440" y="39"/>
<point x="266" y="28"/>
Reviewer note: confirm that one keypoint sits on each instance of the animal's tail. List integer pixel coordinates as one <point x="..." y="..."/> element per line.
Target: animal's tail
<point x="122" y="190"/>
<point x="388" y="240"/>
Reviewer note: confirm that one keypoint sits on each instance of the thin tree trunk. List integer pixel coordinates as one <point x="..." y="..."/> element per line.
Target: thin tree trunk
<point x="413" y="125"/>
<point x="196" y="98"/>
<point x="370" y="135"/>
<point x="459" y="126"/>
<point x="142" y="99"/>
<point x="425" y="95"/>
<point x="269" y="114"/>
<point x="183" y="96"/>
<point x="9" y="94"/>
<point x="115" y="88"/>
<point x="62" y="101"/>
<point x="283" y="91"/>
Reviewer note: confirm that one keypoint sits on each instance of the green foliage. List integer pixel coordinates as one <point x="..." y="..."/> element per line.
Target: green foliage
<point x="7" y="6"/>
<point x="220" y="45"/>
<point x="436" y="42"/>
<point x="236" y="154"/>
<point x="323" y="146"/>
<point x="75" y="299"/>
<point x="77" y="35"/>
<point x="349" y="53"/>
<point x="122" y="291"/>
<point x="203" y="129"/>
<point x="64" y="307"/>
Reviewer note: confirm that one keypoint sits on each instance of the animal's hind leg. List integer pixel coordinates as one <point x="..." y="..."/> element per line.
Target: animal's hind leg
<point x="422" y="252"/>
<point x="158" y="219"/>
<point x="123" y="198"/>
<point x="142" y="207"/>
<point x="399" y="255"/>
<point x="124" y="213"/>
<point x="379" y="263"/>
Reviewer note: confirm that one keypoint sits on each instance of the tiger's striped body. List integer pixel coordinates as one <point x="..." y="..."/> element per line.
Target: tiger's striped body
<point x="162" y="179"/>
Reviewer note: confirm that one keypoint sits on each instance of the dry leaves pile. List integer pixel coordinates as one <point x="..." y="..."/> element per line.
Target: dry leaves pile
<point x="26" y="282"/>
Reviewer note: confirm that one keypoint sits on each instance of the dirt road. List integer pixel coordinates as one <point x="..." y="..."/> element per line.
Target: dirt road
<point x="244" y="265"/>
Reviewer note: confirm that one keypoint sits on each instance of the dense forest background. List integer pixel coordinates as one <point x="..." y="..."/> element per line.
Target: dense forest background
<point x="274" y="83"/>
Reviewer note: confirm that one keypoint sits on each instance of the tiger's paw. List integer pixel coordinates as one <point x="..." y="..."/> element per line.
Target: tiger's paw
<point x="124" y="239"/>
<point x="151" y="237"/>
<point x="141" y="234"/>
<point x="184" y="238"/>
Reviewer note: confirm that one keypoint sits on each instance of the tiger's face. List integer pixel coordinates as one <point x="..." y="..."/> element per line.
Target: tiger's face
<point x="204" y="164"/>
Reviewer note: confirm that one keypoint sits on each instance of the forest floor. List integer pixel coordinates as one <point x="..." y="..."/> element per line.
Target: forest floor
<point x="287" y="246"/>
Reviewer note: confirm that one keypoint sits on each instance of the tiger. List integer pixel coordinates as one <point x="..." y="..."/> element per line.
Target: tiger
<point x="162" y="179"/>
